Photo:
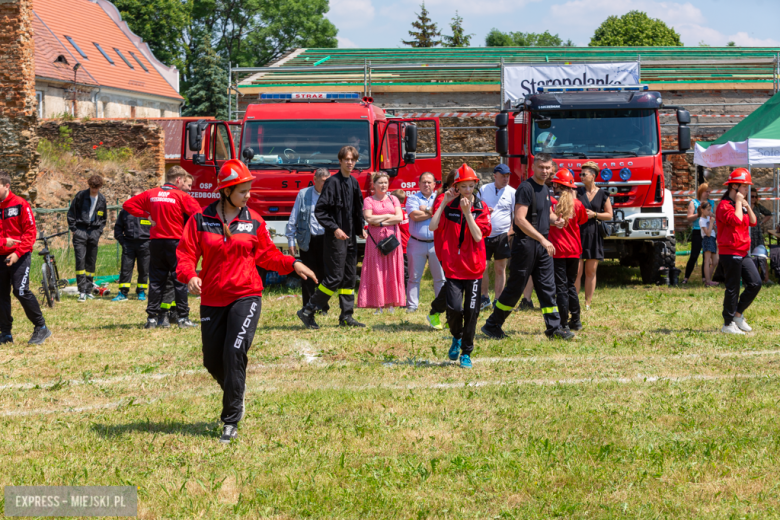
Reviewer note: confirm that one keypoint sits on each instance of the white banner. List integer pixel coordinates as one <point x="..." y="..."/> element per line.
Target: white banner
<point x="765" y="152"/>
<point x="727" y="154"/>
<point x="521" y="80"/>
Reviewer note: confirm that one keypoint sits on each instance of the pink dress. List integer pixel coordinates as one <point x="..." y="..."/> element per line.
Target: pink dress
<point x="382" y="277"/>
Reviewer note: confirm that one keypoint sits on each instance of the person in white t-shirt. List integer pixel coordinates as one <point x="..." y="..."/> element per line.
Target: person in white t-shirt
<point x="500" y="198"/>
<point x="709" y="242"/>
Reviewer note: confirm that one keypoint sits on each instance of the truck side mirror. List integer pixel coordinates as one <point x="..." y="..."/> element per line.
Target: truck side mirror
<point x="194" y="136"/>
<point x="683" y="117"/>
<point x="684" y="137"/>
<point x="502" y="120"/>
<point x="410" y="157"/>
<point x="248" y="154"/>
<point x="410" y="139"/>
<point x="502" y="141"/>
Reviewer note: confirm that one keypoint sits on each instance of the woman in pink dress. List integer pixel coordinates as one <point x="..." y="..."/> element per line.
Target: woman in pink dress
<point x="382" y="277"/>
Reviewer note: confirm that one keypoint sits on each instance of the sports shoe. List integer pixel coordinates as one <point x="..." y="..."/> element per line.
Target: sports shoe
<point x="454" y="351"/>
<point x="349" y="321"/>
<point x="151" y="323"/>
<point x="6" y="338"/>
<point x="731" y="328"/>
<point x="82" y="297"/>
<point x="465" y="361"/>
<point x="229" y="433"/>
<point x="307" y="319"/>
<point x="163" y="322"/>
<point x="39" y="335"/>
<point x="410" y="311"/>
<point x="435" y="321"/>
<point x="493" y="332"/>
<point x="561" y="333"/>
<point x="575" y="325"/>
<point x="119" y="298"/>
<point x="525" y="305"/>
<point x="142" y="296"/>
<point x="742" y="324"/>
<point x="587" y="307"/>
<point x="185" y="323"/>
<point x="90" y="296"/>
<point x="484" y="303"/>
<point x="378" y="312"/>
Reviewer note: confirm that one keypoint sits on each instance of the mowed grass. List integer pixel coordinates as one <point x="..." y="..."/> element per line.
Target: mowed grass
<point x="650" y="413"/>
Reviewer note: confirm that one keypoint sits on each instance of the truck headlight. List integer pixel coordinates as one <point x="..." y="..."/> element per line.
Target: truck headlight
<point x="651" y="224"/>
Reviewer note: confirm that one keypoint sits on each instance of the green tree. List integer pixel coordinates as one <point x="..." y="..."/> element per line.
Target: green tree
<point x="496" y="38"/>
<point x="426" y="33"/>
<point x="459" y="37"/>
<point x="207" y="92"/>
<point x="635" y="29"/>
<point x="731" y="44"/>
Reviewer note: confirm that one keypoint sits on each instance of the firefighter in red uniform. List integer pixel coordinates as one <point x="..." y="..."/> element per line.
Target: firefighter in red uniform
<point x="17" y="236"/>
<point x="461" y="221"/>
<point x="229" y="284"/>
<point x="168" y="208"/>
<point x="734" y="217"/>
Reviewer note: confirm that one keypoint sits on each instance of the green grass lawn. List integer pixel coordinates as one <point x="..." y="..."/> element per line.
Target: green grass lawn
<point x="649" y="413"/>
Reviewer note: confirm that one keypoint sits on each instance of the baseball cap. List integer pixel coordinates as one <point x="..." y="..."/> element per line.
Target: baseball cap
<point x="502" y="168"/>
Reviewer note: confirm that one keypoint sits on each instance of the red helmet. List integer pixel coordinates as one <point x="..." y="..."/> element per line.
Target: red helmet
<point x="739" y="176"/>
<point x="465" y="173"/>
<point x="564" y="178"/>
<point x="232" y="172"/>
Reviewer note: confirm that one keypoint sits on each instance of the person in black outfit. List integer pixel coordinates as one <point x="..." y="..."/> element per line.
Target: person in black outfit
<point x="599" y="207"/>
<point x="132" y="233"/>
<point x="532" y="255"/>
<point x="86" y="220"/>
<point x="340" y="211"/>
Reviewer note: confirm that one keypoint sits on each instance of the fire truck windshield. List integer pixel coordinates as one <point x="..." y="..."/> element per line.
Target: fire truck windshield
<point x="595" y="133"/>
<point x="304" y="143"/>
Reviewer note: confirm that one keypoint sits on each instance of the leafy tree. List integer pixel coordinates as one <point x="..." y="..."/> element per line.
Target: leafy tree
<point x="496" y="38"/>
<point x="426" y="33"/>
<point x="207" y="92"/>
<point x="634" y="29"/>
<point x="459" y="37"/>
<point x="731" y="44"/>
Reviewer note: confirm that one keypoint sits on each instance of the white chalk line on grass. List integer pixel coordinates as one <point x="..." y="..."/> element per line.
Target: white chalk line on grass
<point x="306" y="350"/>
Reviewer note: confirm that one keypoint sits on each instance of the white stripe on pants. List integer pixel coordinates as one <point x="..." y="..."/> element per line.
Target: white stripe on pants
<point x="418" y="252"/>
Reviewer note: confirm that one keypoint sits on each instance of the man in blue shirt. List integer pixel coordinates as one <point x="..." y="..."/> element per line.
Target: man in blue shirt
<point x="420" y="249"/>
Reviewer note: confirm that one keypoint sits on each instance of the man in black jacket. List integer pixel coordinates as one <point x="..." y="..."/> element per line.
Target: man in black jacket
<point x="340" y="211"/>
<point x="86" y="220"/>
<point x="133" y="234"/>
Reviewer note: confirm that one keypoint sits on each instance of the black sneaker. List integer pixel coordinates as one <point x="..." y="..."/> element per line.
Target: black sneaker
<point x="349" y="321"/>
<point x="39" y="335"/>
<point x="6" y="338"/>
<point x="525" y="305"/>
<point x="151" y="323"/>
<point x="575" y="325"/>
<point x="562" y="334"/>
<point x="493" y="332"/>
<point x="164" y="322"/>
<point x="229" y="433"/>
<point x="185" y="323"/>
<point x="307" y="319"/>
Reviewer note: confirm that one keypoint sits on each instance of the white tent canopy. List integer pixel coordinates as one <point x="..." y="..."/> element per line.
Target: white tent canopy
<point x="750" y="152"/>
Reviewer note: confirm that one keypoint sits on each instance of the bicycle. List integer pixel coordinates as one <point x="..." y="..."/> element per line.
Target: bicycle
<point x="51" y="282"/>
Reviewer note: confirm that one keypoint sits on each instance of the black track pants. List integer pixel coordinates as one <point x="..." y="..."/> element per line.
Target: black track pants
<point x="85" y="247"/>
<point x="17" y="277"/>
<point x="340" y="270"/>
<point x="463" y="299"/>
<point x="529" y="258"/>
<point x="169" y="299"/>
<point x="134" y="251"/>
<point x="439" y="304"/>
<point x="227" y="334"/>
<point x="695" y="251"/>
<point x="162" y="267"/>
<point x="736" y="268"/>
<point x="314" y="259"/>
<point x="566" y="292"/>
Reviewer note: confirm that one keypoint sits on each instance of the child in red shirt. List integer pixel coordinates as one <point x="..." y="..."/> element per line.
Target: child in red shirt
<point x="460" y="222"/>
<point x="568" y="215"/>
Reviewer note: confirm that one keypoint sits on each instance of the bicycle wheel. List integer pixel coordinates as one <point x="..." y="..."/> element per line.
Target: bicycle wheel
<point x="55" y="288"/>
<point x="47" y="291"/>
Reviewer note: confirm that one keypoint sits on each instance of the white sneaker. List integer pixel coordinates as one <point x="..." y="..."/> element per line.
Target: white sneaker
<point x="389" y="310"/>
<point x="731" y="329"/>
<point x="82" y="298"/>
<point x="742" y="324"/>
<point x="377" y="312"/>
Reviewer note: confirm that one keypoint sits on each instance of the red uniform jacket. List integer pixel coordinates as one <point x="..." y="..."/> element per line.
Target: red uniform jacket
<point x="17" y="222"/>
<point x="169" y="208"/>
<point x="733" y="230"/>
<point x="404" y="227"/>
<point x="228" y="268"/>
<point x="567" y="241"/>
<point x="462" y="257"/>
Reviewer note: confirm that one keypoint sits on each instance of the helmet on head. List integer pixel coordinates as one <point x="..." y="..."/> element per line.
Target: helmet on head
<point x="739" y="176"/>
<point x="465" y="173"/>
<point x="564" y="178"/>
<point x="232" y="172"/>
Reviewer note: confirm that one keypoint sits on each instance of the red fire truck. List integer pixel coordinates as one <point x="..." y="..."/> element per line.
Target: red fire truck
<point x="618" y="127"/>
<point x="285" y="137"/>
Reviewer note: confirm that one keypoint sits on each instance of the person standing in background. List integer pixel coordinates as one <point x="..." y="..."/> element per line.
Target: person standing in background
<point x="132" y="233"/>
<point x="702" y="195"/>
<point x="757" y="232"/>
<point x="86" y="219"/>
<point x="500" y="198"/>
<point x="403" y="227"/>
<point x="168" y="305"/>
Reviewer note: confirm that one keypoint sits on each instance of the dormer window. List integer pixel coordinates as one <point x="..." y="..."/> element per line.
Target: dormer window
<point x="61" y="60"/>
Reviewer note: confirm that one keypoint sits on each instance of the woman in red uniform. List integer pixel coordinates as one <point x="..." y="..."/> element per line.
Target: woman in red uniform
<point x="734" y="217"/>
<point x="460" y="222"/>
<point x="232" y="240"/>
<point x="569" y="215"/>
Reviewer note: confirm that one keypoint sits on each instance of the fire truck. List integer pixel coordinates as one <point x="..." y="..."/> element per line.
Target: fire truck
<point x="286" y="137"/>
<point x="619" y="128"/>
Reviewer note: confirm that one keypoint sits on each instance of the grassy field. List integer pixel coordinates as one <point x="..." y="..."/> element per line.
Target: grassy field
<point x="650" y="413"/>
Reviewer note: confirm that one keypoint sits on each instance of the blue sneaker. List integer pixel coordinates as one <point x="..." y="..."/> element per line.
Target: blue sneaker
<point x="465" y="361"/>
<point x="6" y="338"/>
<point x="142" y="296"/>
<point x="120" y="298"/>
<point x="454" y="350"/>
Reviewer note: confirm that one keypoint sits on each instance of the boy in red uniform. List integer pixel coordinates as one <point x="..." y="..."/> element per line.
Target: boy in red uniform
<point x="17" y="236"/>
<point x="460" y="222"/>
<point x="404" y="227"/>
<point x="568" y="215"/>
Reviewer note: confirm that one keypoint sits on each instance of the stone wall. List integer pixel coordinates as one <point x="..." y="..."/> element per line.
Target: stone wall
<point x="18" y="118"/>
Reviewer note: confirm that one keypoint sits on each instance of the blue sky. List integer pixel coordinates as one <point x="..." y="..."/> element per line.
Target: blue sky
<point x="377" y="23"/>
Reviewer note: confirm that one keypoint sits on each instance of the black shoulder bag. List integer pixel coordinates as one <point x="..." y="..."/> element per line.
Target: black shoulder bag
<point x="605" y="228"/>
<point x="387" y="245"/>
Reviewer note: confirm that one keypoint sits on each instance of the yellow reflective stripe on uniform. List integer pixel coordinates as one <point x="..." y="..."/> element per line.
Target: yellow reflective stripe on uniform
<point x="325" y="290"/>
<point x="346" y="291"/>
<point x="121" y="285"/>
<point x="165" y="306"/>
<point x="503" y="307"/>
<point x="90" y="274"/>
<point x="81" y="272"/>
<point x="173" y="304"/>
<point x="146" y="223"/>
<point x="143" y="286"/>
<point x="549" y="310"/>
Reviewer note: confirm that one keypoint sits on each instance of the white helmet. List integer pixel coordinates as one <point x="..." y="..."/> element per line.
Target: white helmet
<point x="759" y="252"/>
<point x="546" y="139"/>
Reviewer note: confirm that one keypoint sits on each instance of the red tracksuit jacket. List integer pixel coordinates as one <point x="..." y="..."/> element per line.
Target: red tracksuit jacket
<point x="18" y="223"/>
<point x="567" y="241"/>
<point x="228" y="269"/>
<point x="169" y="208"/>
<point x="462" y="257"/>
<point x="733" y="231"/>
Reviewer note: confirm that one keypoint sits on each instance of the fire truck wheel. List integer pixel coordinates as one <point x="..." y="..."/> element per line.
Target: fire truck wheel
<point x="659" y="253"/>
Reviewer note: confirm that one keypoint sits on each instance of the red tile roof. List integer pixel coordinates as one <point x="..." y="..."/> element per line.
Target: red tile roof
<point x="86" y="23"/>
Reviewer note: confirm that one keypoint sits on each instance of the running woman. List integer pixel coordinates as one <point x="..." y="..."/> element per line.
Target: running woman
<point x="232" y="240"/>
<point x="568" y="215"/>
<point x="461" y="222"/>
